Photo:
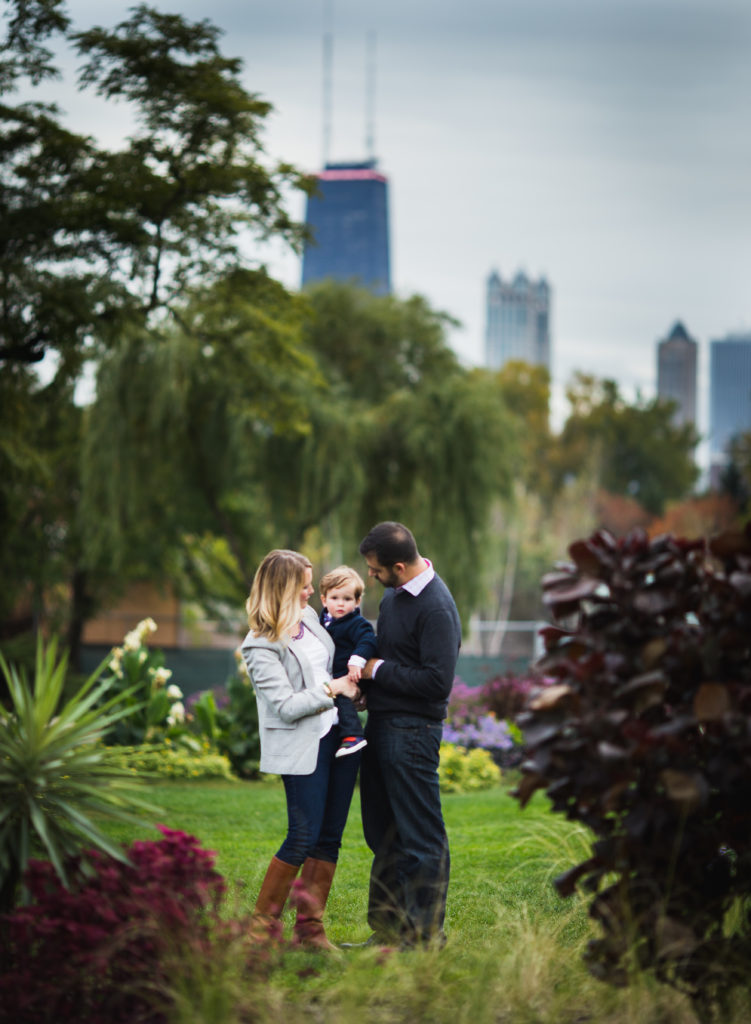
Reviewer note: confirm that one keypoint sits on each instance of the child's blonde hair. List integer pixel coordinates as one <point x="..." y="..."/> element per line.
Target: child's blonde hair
<point x="340" y="577"/>
<point x="273" y="606"/>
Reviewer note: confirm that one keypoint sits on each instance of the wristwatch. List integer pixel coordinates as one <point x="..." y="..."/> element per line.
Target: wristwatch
<point x="329" y="691"/>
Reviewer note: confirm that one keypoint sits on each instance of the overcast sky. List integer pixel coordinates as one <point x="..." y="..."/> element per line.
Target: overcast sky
<point x="604" y="144"/>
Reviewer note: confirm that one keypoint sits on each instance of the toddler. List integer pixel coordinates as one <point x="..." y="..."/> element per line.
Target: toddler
<point x="355" y="642"/>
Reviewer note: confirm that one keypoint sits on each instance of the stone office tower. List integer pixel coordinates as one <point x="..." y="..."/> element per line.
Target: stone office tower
<point x="517" y="324"/>
<point x="676" y="373"/>
<point x="350" y="225"/>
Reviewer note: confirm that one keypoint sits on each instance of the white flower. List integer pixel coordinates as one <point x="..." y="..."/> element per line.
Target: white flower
<point x="145" y="626"/>
<point x="161" y="675"/>
<point x="132" y="641"/>
<point x="114" y="663"/>
<point x="177" y="713"/>
<point x="142" y="656"/>
<point x="174" y="692"/>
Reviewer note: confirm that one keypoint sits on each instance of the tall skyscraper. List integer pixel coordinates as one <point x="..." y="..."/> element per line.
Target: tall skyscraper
<point x="517" y="322"/>
<point x="729" y="394"/>
<point x="676" y="373"/>
<point x="350" y="226"/>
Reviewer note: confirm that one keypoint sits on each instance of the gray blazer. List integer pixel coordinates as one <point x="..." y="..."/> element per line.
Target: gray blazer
<point x="289" y="700"/>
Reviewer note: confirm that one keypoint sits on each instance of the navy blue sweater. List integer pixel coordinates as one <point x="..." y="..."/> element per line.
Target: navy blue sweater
<point x="419" y="639"/>
<point x="352" y="634"/>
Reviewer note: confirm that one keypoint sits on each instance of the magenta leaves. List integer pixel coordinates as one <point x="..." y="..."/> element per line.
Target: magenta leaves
<point x="99" y="951"/>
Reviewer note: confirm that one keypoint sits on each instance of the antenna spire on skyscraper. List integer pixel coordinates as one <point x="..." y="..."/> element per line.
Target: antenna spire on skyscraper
<point x="328" y="61"/>
<point x="370" y="74"/>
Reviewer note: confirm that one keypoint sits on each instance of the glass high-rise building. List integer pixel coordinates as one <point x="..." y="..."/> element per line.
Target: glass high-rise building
<point x="350" y="225"/>
<point x="517" y="324"/>
<point x="676" y="373"/>
<point x="729" y="393"/>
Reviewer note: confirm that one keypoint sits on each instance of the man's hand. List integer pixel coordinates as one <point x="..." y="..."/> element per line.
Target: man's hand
<point x="367" y="672"/>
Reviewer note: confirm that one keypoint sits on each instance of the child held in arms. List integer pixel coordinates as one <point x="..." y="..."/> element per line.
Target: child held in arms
<point x="354" y="640"/>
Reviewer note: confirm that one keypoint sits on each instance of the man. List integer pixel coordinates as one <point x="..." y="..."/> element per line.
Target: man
<point x="407" y="689"/>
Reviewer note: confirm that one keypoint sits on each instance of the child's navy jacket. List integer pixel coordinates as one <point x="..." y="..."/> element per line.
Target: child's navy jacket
<point x="352" y="634"/>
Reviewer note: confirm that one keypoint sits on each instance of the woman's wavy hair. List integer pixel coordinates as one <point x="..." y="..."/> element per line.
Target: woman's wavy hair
<point x="273" y="605"/>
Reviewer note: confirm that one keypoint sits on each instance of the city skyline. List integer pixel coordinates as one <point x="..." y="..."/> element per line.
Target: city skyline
<point x="592" y="142"/>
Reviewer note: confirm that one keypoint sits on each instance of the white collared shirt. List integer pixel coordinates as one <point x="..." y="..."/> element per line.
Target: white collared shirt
<point x="418" y="583"/>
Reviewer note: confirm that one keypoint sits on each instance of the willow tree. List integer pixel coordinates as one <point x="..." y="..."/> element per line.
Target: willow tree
<point x="172" y="482"/>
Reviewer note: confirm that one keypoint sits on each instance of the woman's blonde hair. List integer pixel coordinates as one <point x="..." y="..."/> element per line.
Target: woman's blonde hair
<point x="273" y="605"/>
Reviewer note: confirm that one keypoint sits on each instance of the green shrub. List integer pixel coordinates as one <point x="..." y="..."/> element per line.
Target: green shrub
<point x="228" y="718"/>
<point x="139" y="676"/>
<point x="463" y="771"/>
<point x="53" y="772"/>
<point x="170" y="762"/>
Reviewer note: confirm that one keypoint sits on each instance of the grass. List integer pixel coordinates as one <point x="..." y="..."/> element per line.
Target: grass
<point x="514" y="948"/>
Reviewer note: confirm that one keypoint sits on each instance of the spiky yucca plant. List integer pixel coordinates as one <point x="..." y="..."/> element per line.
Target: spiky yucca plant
<point x="53" y="774"/>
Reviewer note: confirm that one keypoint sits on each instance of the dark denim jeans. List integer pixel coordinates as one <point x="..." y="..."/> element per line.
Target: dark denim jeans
<point x="349" y="720"/>
<point x="318" y="805"/>
<point x="403" y="825"/>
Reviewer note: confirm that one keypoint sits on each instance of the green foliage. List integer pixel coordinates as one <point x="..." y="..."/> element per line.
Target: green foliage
<point x="634" y="450"/>
<point x="416" y="424"/>
<point x="53" y="776"/>
<point x="643" y="737"/>
<point x="137" y="682"/>
<point x="169" y="761"/>
<point x="464" y="771"/>
<point x="233" y="726"/>
<point x="98" y="249"/>
<point x="203" y="397"/>
<point x="194" y="175"/>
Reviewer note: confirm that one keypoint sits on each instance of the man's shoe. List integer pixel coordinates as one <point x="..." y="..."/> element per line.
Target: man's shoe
<point x="350" y="744"/>
<point x="373" y="941"/>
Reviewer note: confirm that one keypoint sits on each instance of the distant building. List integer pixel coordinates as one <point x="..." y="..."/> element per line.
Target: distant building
<point x="676" y="373"/>
<point x="349" y="222"/>
<point x="729" y="395"/>
<point x="517" y="324"/>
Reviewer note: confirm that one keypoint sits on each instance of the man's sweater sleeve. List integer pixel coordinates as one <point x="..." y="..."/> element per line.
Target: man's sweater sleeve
<point x="434" y="677"/>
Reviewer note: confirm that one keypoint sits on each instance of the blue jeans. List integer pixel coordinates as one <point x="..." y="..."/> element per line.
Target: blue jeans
<point x="318" y="805"/>
<point x="403" y="826"/>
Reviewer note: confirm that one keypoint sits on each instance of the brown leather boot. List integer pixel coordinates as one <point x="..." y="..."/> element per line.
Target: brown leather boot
<point x="313" y="892"/>
<point x="265" y="924"/>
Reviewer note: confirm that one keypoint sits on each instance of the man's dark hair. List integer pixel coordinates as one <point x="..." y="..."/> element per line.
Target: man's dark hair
<point x="391" y="543"/>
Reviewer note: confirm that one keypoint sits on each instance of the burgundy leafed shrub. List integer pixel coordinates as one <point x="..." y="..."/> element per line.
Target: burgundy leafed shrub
<point x="645" y="737"/>
<point x="95" y="954"/>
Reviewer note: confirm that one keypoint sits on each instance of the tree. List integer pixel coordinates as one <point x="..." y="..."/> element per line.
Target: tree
<point x="184" y="415"/>
<point x="415" y="436"/>
<point x="634" y="450"/>
<point x="99" y="250"/>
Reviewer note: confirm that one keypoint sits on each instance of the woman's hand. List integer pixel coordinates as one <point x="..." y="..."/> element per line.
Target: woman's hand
<point x="344" y="686"/>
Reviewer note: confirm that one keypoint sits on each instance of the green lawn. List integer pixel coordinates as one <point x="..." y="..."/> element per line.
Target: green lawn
<point x="500" y="856"/>
<point x="514" y="950"/>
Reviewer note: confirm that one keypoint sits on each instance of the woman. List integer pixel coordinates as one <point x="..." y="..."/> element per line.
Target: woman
<point x="289" y="657"/>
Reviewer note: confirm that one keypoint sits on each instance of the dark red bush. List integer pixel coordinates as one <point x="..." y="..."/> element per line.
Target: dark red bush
<point x="645" y="737"/>
<point x="95" y="953"/>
